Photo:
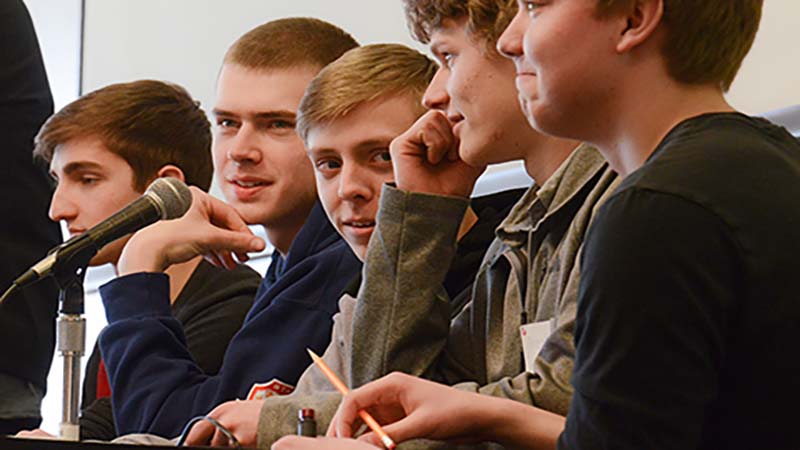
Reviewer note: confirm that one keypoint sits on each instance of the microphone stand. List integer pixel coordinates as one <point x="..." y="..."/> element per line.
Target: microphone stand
<point x="71" y="342"/>
<point x="71" y="337"/>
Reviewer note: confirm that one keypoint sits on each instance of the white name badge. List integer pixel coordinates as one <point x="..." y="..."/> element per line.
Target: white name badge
<point x="533" y="337"/>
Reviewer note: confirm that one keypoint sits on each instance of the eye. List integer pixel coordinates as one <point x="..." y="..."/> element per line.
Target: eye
<point x="224" y="123"/>
<point x="382" y="156"/>
<point x="326" y="166"/>
<point x="530" y="7"/>
<point x="88" y="180"/>
<point x="447" y="59"/>
<point x="282" y="124"/>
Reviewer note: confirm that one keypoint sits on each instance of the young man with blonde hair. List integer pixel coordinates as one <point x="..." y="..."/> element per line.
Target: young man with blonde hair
<point x="267" y="179"/>
<point x="348" y="117"/>
<point x="684" y="308"/>
<point x="103" y="150"/>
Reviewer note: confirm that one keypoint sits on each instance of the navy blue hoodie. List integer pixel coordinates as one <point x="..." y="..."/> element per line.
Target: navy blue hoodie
<point x="157" y="386"/>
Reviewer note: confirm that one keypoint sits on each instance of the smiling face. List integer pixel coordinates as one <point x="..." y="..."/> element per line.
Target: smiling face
<point x="351" y="161"/>
<point x="259" y="160"/>
<point x="474" y="86"/>
<point x="92" y="184"/>
<point x="565" y="61"/>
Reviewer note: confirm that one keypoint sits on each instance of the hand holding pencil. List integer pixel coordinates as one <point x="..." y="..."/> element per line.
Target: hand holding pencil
<point x="337" y="383"/>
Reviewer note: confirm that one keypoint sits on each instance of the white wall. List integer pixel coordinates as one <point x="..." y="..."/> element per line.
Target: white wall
<point x="58" y="27"/>
<point x="770" y="76"/>
<point x="183" y="41"/>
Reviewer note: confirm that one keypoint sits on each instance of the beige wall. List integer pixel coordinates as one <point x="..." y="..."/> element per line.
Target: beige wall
<point x="770" y="76"/>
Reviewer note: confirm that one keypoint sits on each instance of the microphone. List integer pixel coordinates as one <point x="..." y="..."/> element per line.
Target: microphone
<point x="165" y="198"/>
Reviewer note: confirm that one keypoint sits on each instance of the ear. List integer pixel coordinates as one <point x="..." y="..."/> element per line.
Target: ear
<point x="643" y="19"/>
<point x="171" y="171"/>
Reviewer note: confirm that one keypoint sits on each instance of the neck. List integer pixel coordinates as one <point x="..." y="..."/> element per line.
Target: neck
<point x="282" y="237"/>
<point x="633" y="139"/>
<point x="546" y="155"/>
<point x="179" y="274"/>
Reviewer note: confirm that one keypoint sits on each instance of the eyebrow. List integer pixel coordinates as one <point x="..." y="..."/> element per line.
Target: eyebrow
<point x="369" y="144"/>
<point x="275" y="114"/>
<point x="78" y="166"/>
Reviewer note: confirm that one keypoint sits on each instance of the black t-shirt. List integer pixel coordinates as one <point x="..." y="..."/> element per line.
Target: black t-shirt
<point x="688" y="317"/>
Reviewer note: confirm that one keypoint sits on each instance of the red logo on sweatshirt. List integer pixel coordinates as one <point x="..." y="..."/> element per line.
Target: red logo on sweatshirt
<point x="260" y="391"/>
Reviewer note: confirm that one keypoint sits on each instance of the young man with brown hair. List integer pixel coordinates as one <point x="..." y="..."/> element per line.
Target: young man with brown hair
<point x="513" y="338"/>
<point x="103" y="150"/>
<point x="348" y="116"/>
<point x="266" y="176"/>
<point x="684" y="308"/>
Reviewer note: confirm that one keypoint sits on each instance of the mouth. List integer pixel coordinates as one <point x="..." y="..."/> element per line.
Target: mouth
<point x="245" y="188"/>
<point x="359" y="224"/>
<point x="248" y="184"/>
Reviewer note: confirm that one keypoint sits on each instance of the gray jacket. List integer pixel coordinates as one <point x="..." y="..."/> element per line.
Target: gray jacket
<point x="403" y="321"/>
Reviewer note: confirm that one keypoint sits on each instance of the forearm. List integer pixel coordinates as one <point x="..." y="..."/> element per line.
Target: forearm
<point x="402" y="316"/>
<point x="516" y="425"/>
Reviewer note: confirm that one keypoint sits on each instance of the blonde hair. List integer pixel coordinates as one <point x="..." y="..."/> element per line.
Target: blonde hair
<point x="360" y="76"/>
<point x="290" y="43"/>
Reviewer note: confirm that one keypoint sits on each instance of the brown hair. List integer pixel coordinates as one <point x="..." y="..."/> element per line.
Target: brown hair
<point x="290" y="43"/>
<point x="486" y="19"/>
<point x="148" y="123"/>
<point x="707" y="40"/>
<point x="362" y="75"/>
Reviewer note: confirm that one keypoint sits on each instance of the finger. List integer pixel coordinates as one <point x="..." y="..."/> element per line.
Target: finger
<point x="200" y="434"/>
<point x="224" y="215"/>
<point x="212" y="259"/>
<point x="227" y="260"/>
<point x="231" y="241"/>
<point x="435" y="142"/>
<point x="382" y="392"/>
<point x="220" y="440"/>
<point x="295" y="442"/>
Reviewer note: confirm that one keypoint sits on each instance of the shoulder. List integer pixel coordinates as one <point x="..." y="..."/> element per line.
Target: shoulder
<point x="211" y="286"/>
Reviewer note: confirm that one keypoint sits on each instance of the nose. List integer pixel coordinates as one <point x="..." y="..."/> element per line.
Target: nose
<point x="244" y="147"/>
<point x="510" y="42"/>
<point x="436" y="96"/>
<point x="353" y="183"/>
<point x="61" y="207"/>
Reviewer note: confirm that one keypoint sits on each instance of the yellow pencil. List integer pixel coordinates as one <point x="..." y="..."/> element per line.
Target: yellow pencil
<point x="368" y="419"/>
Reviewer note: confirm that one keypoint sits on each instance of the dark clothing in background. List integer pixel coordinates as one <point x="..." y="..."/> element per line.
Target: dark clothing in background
<point x="211" y="308"/>
<point x="27" y="318"/>
<point x="688" y="316"/>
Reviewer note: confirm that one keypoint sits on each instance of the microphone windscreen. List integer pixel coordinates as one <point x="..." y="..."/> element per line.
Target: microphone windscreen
<point x="171" y="195"/>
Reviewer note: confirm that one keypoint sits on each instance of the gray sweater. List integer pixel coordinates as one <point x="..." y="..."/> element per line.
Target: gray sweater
<point x="403" y="321"/>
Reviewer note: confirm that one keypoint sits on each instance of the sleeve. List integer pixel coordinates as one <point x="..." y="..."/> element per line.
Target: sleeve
<point x="402" y="317"/>
<point x="660" y="276"/>
<point x="156" y="384"/>
<point x="97" y="421"/>
<point x="278" y="416"/>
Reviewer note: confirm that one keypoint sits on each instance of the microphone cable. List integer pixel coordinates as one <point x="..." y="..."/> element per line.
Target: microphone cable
<point x="185" y="433"/>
